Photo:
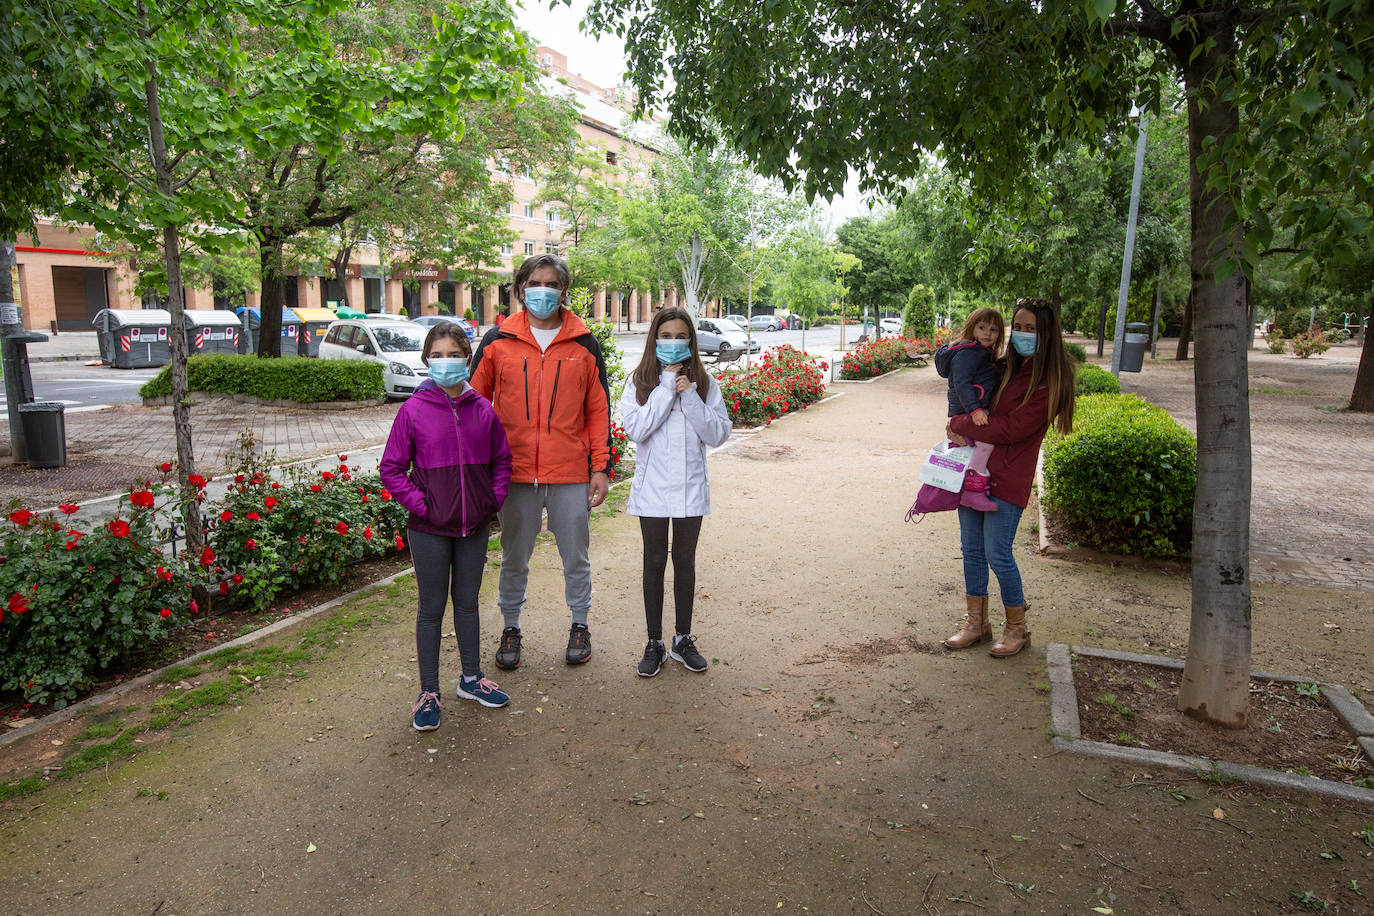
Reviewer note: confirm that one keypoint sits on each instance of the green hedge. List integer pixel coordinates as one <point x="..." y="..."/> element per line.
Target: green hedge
<point x="1096" y="380"/>
<point x="1124" y="479"/>
<point x="1076" y="350"/>
<point x="292" y="378"/>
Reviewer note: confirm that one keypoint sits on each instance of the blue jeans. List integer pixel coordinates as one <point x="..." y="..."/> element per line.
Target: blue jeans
<point x="985" y="538"/>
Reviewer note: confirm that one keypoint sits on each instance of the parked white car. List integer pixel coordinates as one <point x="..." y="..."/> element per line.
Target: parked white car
<point x="395" y="343"/>
<point x="891" y="325"/>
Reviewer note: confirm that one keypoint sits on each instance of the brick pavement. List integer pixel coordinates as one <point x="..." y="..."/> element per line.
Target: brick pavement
<point x="1312" y="510"/>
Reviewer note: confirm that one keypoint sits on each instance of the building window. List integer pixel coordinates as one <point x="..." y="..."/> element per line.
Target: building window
<point x="529" y="211"/>
<point x="551" y="214"/>
<point x="506" y="250"/>
<point x="527" y="174"/>
<point x="550" y="248"/>
<point x="611" y="158"/>
<point x="529" y="248"/>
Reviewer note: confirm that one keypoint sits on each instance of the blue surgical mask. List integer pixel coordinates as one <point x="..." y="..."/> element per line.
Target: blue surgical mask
<point x="542" y="301"/>
<point x="448" y="371"/>
<point x="671" y="352"/>
<point x="1024" y="342"/>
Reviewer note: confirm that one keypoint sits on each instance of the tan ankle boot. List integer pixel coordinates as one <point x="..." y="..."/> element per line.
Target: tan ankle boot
<point x="975" y="629"/>
<point x="1015" y="636"/>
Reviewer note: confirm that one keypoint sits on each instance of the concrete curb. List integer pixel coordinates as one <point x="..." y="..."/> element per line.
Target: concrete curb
<point x="1068" y="735"/>
<point x="115" y="693"/>
<point x="201" y="397"/>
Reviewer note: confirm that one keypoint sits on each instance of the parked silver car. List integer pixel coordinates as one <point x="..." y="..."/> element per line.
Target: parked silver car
<point x="723" y="339"/>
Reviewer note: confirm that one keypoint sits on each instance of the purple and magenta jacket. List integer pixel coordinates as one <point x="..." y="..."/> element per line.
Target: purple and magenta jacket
<point x="447" y="461"/>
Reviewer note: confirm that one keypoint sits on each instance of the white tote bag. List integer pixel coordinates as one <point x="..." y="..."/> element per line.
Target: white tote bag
<point x="945" y="466"/>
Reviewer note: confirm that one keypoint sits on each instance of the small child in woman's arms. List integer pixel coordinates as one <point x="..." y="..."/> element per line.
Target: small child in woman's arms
<point x="970" y="364"/>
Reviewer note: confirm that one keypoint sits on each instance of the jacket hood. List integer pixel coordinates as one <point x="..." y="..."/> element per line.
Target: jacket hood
<point x="518" y="325"/>
<point x="945" y="355"/>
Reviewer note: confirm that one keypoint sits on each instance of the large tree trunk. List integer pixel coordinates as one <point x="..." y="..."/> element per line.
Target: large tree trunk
<point x="171" y="255"/>
<point x="271" y="299"/>
<point x="1101" y="326"/>
<point x="340" y="264"/>
<point x="1216" y="676"/>
<point x="1362" y="398"/>
<point x="1185" y="333"/>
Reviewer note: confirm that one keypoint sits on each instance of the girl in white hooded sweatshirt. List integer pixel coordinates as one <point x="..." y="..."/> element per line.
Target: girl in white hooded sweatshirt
<point x="673" y="411"/>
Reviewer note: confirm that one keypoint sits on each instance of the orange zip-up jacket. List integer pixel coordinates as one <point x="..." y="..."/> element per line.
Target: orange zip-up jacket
<point x="554" y="404"/>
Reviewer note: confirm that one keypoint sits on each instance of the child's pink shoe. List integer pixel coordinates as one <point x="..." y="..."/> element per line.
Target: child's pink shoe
<point x="975" y="493"/>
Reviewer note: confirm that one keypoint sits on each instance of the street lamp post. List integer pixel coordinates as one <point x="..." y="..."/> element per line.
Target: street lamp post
<point x="1119" y="340"/>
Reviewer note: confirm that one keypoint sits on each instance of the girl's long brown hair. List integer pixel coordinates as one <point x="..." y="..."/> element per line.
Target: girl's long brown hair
<point x="1051" y="364"/>
<point x="986" y="316"/>
<point x="646" y="374"/>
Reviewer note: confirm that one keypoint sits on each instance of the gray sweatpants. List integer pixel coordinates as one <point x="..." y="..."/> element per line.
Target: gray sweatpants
<point x="569" y="523"/>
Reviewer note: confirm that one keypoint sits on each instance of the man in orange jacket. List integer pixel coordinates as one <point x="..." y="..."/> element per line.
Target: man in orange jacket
<point x="543" y="371"/>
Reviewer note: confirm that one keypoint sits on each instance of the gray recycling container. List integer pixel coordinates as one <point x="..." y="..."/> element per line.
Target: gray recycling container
<point x="134" y="338"/>
<point x="1134" y="346"/>
<point x="45" y="430"/>
<point x="212" y="331"/>
<point x="252" y="321"/>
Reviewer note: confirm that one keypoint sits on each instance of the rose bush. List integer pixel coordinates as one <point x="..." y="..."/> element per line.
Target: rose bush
<point x="872" y="358"/>
<point x="785" y="379"/>
<point x="73" y="601"/>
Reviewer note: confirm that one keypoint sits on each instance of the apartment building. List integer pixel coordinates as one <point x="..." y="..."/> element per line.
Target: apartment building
<point x="64" y="279"/>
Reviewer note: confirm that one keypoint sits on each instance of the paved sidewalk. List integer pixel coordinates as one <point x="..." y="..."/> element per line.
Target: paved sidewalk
<point x="1312" y="512"/>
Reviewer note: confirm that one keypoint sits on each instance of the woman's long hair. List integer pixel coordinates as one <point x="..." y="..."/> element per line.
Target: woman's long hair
<point x="1051" y="364"/>
<point x="646" y="374"/>
<point x="986" y="316"/>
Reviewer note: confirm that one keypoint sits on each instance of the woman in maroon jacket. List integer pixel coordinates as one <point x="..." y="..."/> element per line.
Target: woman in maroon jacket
<point x="1037" y="389"/>
<point x="447" y="461"/>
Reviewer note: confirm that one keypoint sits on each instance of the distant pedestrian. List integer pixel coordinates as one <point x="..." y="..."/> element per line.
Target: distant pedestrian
<point x="1036" y="390"/>
<point x="970" y="364"/>
<point x="543" y="371"/>
<point x="673" y="410"/>
<point x="448" y="463"/>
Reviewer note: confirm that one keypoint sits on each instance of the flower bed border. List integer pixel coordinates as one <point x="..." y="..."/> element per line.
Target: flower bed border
<point x="1068" y="736"/>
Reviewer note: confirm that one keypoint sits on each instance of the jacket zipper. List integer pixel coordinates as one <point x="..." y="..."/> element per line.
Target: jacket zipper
<point x="462" y="485"/>
<point x="538" y="396"/>
<point x="553" y="396"/>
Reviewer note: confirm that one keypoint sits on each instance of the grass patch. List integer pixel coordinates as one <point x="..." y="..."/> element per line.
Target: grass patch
<point x="1110" y="701"/>
<point x="178" y="673"/>
<point x="21" y="787"/>
<point x="98" y="730"/>
<point x="96" y="755"/>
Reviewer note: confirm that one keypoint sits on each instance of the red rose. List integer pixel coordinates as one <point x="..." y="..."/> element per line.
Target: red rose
<point x="238" y="578"/>
<point x="341" y="527"/>
<point x="224" y="588"/>
<point x="400" y="543"/>
<point x="386" y="497"/>
<point x="251" y="544"/>
<point x="165" y="613"/>
<point x="164" y="467"/>
<point x="68" y="508"/>
<point x="275" y="485"/>
<point x="238" y="478"/>
<point x="197" y="481"/>
<point x="141" y="498"/>
<point x="21" y="517"/>
<point x="207" y="556"/>
<point x="226" y="516"/>
<point x="343" y="458"/>
<point x="302" y="539"/>
<point x="364" y="497"/>
<point x="367" y="533"/>
<point x="270" y="502"/>
<point x="253" y="517"/>
<point x="119" y="528"/>
<point x="315" y="488"/>
<point x="18" y="603"/>
<point x="71" y="545"/>
<point x="195" y="608"/>
<point x="164" y="574"/>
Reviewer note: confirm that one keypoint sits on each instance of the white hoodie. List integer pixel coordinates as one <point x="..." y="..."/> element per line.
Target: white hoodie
<point x="672" y="432"/>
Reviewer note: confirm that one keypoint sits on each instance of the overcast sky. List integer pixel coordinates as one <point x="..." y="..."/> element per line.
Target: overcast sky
<point x="603" y="62"/>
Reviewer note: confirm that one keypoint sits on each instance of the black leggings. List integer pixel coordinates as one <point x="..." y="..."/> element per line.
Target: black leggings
<point x="447" y="567"/>
<point x="685" y="534"/>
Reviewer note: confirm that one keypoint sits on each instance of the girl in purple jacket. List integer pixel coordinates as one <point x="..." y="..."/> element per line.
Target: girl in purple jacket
<point x="448" y="463"/>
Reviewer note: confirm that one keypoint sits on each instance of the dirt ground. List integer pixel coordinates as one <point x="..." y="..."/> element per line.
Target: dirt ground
<point x="832" y="760"/>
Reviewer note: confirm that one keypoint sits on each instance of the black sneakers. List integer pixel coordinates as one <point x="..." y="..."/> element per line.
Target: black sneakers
<point x="579" y="644"/>
<point x="685" y="650"/>
<point x="652" y="662"/>
<point x="508" y="653"/>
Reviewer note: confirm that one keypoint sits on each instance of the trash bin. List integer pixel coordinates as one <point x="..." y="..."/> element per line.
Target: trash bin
<point x="1134" y="346"/>
<point x="134" y="338"/>
<point x="212" y="331"/>
<point x="45" y="430"/>
<point x="252" y="322"/>
<point x="314" y="322"/>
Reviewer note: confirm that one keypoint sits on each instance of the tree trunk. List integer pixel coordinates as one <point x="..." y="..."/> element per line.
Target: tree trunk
<point x="1185" y="333"/>
<point x="271" y="298"/>
<point x="1216" y="676"/>
<point x="176" y="306"/>
<point x="1362" y="398"/>
<point x="340" y="264"/>
<point x="1101" y="326"/>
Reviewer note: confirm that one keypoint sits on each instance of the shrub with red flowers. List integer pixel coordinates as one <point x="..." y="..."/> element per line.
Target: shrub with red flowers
<point x="72" y="601"/>
<point x="785" y="379"/>
<point x="279" y="535"/>
<point x="620" y="448"/>
<point x="873" y="358"/>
